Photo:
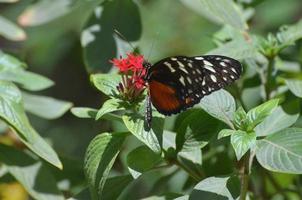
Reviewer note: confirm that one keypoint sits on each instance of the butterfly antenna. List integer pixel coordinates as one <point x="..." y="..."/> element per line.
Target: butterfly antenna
<point x="124" y="38"/>
<point x="152" y="45"/>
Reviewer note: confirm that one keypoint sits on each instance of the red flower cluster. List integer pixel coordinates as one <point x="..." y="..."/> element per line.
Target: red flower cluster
<point x="133" y="72"/>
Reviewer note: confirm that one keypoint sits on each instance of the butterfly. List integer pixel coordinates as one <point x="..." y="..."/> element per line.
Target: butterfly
<point x="178" y="83"/>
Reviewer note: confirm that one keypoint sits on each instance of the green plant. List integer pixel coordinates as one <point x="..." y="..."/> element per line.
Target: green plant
<point x="241" y="142"/>
<point x="261" y="133"/>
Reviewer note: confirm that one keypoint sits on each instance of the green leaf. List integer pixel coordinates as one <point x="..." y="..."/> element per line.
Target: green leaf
<point x="12" y="112"/>
<point x="242" y="142"/>
<point x="109" y="106"/>
<point x="289" y="34"/>
<point x="225" y="133"/>
<point x="238" y="49"/>
<point x="152" y="138"/>
<point x="295" y="86"/>
<point x="212" y="188"/>
<point x="11" y="31"/>
<point x="191" y="133"/>
<point x="137" y="162"/>
<point x="282" y="151"/>
<point x="9" y="62"/>
<point x="99" y="158"/>
<point x="220" y="105"/>
<point x="12" y="69"/>
<point x="82" y="112"/>
<point x="33" y="175"/>
<point x="45" y="107"/>
<point x="115" y="186"/>
<point x="106" y="83"/>
<point x="275" y="122"/>
<point x="219" y="11"/>
<point x="240" y="118"/>
<point x="43" y="12"/>
<point x="256" y="115"/>
<point x="98" y="36"/>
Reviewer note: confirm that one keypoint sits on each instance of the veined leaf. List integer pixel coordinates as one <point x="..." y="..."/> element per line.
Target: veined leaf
<point x="220" y="105"/>
<point x="258" y="114"/>
<point x="240" y="118"/>
<point x="225" y="133"/>
<point x="213" y="188"/>
<point x="106" y="83"/>
<point x="242" y="142"/>
<point x="100" y="156"/>
<point x="152" y="138"/>
<point x="109" y="106"/>
<point x="282" y="151"/>
<point x="276" y="121"/>
<point x="12" y="112"/>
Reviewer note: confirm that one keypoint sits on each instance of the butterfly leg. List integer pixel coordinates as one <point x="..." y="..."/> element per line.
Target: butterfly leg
<point x="148" y="113"/>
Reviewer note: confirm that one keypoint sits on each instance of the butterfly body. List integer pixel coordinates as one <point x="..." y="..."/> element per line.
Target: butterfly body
<point x="179" y="82"/>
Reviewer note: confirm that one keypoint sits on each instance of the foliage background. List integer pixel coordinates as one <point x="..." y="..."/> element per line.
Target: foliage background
<point x="52" y="48"/>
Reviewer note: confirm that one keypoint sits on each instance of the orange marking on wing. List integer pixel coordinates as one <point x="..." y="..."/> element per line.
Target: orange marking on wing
<point x="163" y="96"/>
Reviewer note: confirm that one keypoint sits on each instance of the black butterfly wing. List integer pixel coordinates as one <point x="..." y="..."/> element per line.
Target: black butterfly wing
<point x="177" y="83"/>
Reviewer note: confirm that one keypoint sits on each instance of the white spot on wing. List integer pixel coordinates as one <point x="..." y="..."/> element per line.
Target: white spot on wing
<point x="223" y="64"/>
<point x="170" y="66"/>
<point x="182" y="80"/>
<point x="198" y="71"/>
<point x="203" y="82"/>
<point x="199" y="58"/>
<point x="232" y="77"/>
<point x="214" y="79"/>
<point x="233" y="69"/>
<point x="217" y="58"/>
<point x="189" y="80"/>
<point x="174" y="59"/>
<point x="190" y="65"/>
<point x="207" y="63"/>
<point x="209" y="68"/>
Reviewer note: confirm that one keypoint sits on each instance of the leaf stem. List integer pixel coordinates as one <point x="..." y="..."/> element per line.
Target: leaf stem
<point x="244" y="175"/>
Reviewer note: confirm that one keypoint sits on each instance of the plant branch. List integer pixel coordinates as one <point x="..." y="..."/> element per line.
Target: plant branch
<point x="268" y="80"/>
<point x="244" y="175"/>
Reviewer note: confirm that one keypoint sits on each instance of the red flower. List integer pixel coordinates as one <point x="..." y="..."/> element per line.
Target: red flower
<point x="133" y="72"/>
